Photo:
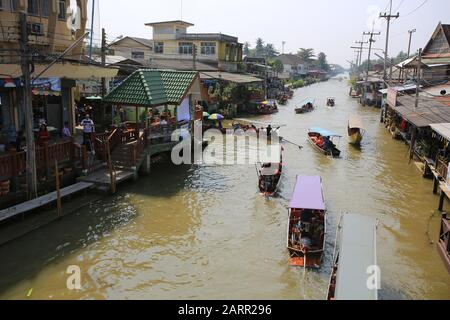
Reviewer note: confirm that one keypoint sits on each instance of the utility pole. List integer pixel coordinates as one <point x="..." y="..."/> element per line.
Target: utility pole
<point x="27" y="108"/>
<point x="419" y="70"/>
<point x="282" y="47"/>
<point x="92" y="30"/>
<point x="371" y="40"/>
<point x="194" y="56"/>
<point x="103" y="61"/>
<point x="388" y="17"/>
<point x="361" y="43"/>
<point x="410" y="38"/>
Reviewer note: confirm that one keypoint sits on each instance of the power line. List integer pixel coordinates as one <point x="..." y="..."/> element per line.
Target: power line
<point x="423" y="3"/>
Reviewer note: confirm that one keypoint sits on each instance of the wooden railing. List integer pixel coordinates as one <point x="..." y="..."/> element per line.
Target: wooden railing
<point x="139" y="146"/>
<point x="442" y="168"/>
<point x="14" y="163"/>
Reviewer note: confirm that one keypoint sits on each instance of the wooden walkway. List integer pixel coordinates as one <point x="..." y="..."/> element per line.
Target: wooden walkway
<point x="101" y="177"/>
<point x="43" y="201"/>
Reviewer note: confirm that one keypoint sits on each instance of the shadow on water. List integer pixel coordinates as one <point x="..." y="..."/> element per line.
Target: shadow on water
<point x="24" y="258"/>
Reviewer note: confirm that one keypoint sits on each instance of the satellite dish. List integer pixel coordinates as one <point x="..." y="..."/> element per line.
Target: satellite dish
<point x="443" y="92"/>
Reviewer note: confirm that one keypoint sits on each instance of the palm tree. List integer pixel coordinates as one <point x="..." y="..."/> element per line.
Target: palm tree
<point x="306" y="55"/>
<point x="259" y="47"/>
<point x="270" y="50"/>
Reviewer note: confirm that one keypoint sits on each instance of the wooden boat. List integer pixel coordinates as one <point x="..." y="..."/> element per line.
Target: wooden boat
<point x="321" y="140"/>
<point x="307" y="223"/>
<point x="283" y="100"/>
<point x="270" y="176"/>
<point x="331" y="102"/>
<point x="306" y="106"/>
<point x="355" y="130"/>
<point x="267" y="107"/>
<point x="354" y="257"/>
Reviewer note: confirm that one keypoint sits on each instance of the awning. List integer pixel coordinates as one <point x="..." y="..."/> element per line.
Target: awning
<point x="400" y="88"/>
<point x="357" y="254"/>
<point x="308" y="194"/>
<point x="355" y="122"/>
<point x="443" y="129"/>
<point x="67" y="70"/>
<point x="323" y="132"/>
<point x="230" y="77"/>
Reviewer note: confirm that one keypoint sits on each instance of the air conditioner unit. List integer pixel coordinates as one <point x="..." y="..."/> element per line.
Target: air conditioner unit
<point x="36" y="29"/>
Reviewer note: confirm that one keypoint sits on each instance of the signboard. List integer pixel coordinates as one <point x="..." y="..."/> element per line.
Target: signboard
<point x="392" y="97"/>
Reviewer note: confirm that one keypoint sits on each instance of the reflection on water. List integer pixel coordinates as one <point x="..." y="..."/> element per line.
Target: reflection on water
<point x="204" y="231"/>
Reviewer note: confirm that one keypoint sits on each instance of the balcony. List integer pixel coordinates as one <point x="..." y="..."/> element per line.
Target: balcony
<point x="443" y="245"/>
<point x="206" y="37"/>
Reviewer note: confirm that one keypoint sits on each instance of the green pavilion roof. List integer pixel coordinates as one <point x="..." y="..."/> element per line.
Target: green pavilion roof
<point x="148" y="87"/>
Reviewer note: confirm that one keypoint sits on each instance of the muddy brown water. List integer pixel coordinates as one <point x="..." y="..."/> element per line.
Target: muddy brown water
<point x="204" y="232"/>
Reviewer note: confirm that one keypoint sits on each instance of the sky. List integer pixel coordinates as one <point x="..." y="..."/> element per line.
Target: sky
<point x="331" y="26"/>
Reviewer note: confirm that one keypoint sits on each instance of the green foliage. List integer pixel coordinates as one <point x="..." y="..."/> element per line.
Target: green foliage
<point x="276" y="65"/>
<point x="306" y="55"/>
<point x="322" y="62"/>
<point x="298" y="84"/>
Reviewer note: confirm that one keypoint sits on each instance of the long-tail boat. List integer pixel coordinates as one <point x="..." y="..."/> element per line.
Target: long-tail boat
<point x="355" y="259"/>
<point x="307" y="223"/>
<point x="355" y="130"/>
<point x="306" y="106"/>
<point x="269" y="176"/>
<point x="322" y="140"/>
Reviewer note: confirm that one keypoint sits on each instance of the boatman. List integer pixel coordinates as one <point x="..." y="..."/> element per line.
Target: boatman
<point x="269" y="131"/>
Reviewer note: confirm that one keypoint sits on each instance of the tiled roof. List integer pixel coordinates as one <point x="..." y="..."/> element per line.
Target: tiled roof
<point x="152" y="88"/>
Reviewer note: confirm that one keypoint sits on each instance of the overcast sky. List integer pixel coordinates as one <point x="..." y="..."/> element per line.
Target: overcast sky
<point x="331" y="26"/>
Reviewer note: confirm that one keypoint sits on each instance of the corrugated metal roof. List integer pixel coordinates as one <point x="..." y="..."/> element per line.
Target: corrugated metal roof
<point x="428" y="111"/>
<point x="442" y="129"/>
<point x="231" y="77"/>
<point x="152" y="87"/>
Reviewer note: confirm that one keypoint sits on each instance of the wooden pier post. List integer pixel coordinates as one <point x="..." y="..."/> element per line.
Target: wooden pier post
<point x="435" y="185"/>
<point x="441" y="201"/>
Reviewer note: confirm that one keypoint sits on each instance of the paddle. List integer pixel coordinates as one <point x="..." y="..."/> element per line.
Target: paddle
<point x="300" y="147"/>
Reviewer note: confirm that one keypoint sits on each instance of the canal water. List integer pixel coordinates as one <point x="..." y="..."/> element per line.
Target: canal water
<point x="194" y="232"/>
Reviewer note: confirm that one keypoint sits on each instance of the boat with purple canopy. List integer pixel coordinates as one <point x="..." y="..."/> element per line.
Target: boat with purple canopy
<point x="307" y="223"/>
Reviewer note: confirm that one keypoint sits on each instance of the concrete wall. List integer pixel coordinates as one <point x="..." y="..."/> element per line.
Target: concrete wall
<point x="126" y="46"/>
<point x="57" y="34"/>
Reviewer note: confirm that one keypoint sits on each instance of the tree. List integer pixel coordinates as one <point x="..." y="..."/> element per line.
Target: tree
<point x="322" y="62"/>
<point x="277" y="65"/>
<point x="259" y="47"/>
<point x="270" y="50"/>
<point x="246" y="48"/>
<point x="306" y="55"/>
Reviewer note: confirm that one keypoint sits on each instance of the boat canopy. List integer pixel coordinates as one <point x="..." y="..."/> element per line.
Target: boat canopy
<point x="355" y="122"/>
<point x="323" y="132"/>
<point x="306" y="101"/>
<point x="308" y="194"/>
<point x="357" y="253"/>
<point x="270" y="171"/>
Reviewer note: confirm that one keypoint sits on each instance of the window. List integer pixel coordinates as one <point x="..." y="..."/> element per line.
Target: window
<point x="13" y="5"/>
<point x="1" y="5"/>
<point x="62" y="10"/>
<point x="44" y="8"/>
<point x="33" y="7"/>
<point x="208" y="48"/>
<point x="137" y="55"/>
<point x="159" y="47"/>
<point x="185" y="48"/>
